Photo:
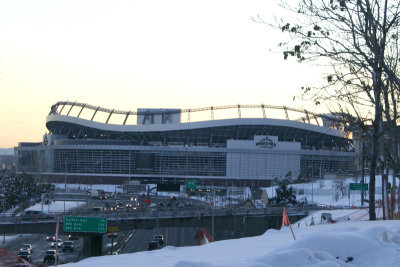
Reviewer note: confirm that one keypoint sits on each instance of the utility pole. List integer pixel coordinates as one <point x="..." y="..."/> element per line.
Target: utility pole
<point x="212" y="213"/>
<point x="362" y="174"/>
<point x="65" y="180"/>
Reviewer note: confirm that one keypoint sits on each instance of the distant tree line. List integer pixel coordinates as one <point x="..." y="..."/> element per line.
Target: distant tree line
<point x="15" y="190"/>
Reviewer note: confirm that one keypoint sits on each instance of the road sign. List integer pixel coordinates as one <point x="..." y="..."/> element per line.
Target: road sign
<point x="112" y="229"/>
<point x="85" y="224"/>
<point x="191" y="184"/>
<point x="168" y="187"/>
<point x="357" y="186"/>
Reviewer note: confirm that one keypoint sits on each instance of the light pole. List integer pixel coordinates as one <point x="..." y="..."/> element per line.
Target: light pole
<point x="65" y="180"/>
<point x="65" y="175"/>
<point x="212" y="212"/>
<point x="148" y="199"/>
<point x="362" y="174"/>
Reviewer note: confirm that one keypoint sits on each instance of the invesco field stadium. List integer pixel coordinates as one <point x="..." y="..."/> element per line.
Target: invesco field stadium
<point x="223" y="145"/>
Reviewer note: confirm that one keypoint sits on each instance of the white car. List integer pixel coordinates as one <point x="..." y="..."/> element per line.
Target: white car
<point x="26" y="247"/>
<point x="54" y="244"/>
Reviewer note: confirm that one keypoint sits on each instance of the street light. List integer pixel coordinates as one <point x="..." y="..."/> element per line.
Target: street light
<point x="65" y="180"/>
<point x="148" y="200"/>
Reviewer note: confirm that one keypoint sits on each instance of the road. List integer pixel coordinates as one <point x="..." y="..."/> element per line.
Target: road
<point x="40" y="246"/>
<point x="126" y="241"/>
<point x="173" y="236"/>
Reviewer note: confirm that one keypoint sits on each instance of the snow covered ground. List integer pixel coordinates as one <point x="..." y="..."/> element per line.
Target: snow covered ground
<point x="351" y="241"/>
<point x="347" y="243"/>
<point x="57" y="206"/>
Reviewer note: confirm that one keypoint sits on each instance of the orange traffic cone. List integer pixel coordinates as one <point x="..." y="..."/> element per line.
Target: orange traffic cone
<point x="285" y="221"/>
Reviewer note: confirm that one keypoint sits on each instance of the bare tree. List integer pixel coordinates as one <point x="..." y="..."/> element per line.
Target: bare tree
<point x="357" y="41"/>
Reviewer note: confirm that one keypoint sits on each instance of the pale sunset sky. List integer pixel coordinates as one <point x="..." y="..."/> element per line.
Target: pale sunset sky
<point x="137" y="54"/>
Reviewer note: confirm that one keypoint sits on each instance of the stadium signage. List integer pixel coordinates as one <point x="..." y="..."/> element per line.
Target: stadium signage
<point x="265" y="143"/>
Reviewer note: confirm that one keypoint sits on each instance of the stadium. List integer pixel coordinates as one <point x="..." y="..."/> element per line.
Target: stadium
<point x="246" y="145"/>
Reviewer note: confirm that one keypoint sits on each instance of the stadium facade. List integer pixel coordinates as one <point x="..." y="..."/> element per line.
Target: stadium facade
<point x="160" y="148"/>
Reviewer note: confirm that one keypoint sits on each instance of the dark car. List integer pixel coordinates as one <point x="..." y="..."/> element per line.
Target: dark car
<point x="159" y="238"/>
<point x="107" y="206"/>
<point x="110" y="234"/>
<point x="68" y="246"/>
<point x="72" y="237"/>
<point x="153" y="245"/>
<point x="50" y="237"/>
<point x="26" y="255"/>
<point x="50" y="256"/>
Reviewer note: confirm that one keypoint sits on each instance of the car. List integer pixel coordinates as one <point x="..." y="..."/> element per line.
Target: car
<point x="118" y="203"/>
<point x="128" y="205"/>
<point x="169" y="204"/>
<point x="50" y="237"/>
<point x="110" y="234"/>
<point x="59" y="243"/>
<point x="26" y="247"/>
<point x="26" y="255"/>
<point x="97" y="209"/>
<point x="159" y="238"/>
<point x="189" y="203"/>
<point x="107" y="206"/>
<point x="68" y="246"/>
<point x="50" y="256"/>
<point x="161" y="204"/>
<point x="73" y="237"/>
<point x="153" y="245"/>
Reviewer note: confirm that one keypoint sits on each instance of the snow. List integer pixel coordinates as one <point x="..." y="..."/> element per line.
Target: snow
<point x="366" y="243"/>
<point x="57" y="206"/>
<point x="351" y="241"/>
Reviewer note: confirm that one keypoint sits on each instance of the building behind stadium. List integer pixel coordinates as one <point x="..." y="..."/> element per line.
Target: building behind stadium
<point x="94" y="145"/>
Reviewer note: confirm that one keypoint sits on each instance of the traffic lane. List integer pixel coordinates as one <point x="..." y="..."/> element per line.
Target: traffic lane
<point x="40" y="246"/>
<point x="138" y="242"/>
<point x="110" y="242"/>
<point x="173" y="236"/>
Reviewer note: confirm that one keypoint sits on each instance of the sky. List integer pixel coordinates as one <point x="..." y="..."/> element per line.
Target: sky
<point x="127" y="54"/>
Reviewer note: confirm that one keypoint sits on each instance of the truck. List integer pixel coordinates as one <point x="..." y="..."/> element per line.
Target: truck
<point x="94" y="193"/>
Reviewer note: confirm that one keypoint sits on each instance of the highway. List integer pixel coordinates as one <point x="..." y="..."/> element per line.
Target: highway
<point x="132" y="240"/>
<point x="173" y="236"/>
<point x="125" y="242"/>
<point x="40" y="246"/>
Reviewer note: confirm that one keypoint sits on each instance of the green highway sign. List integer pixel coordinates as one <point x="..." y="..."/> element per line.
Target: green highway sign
<point x="357" y="186"/>
<point x="85" y="224"/>
<point x="191" y="184"/>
